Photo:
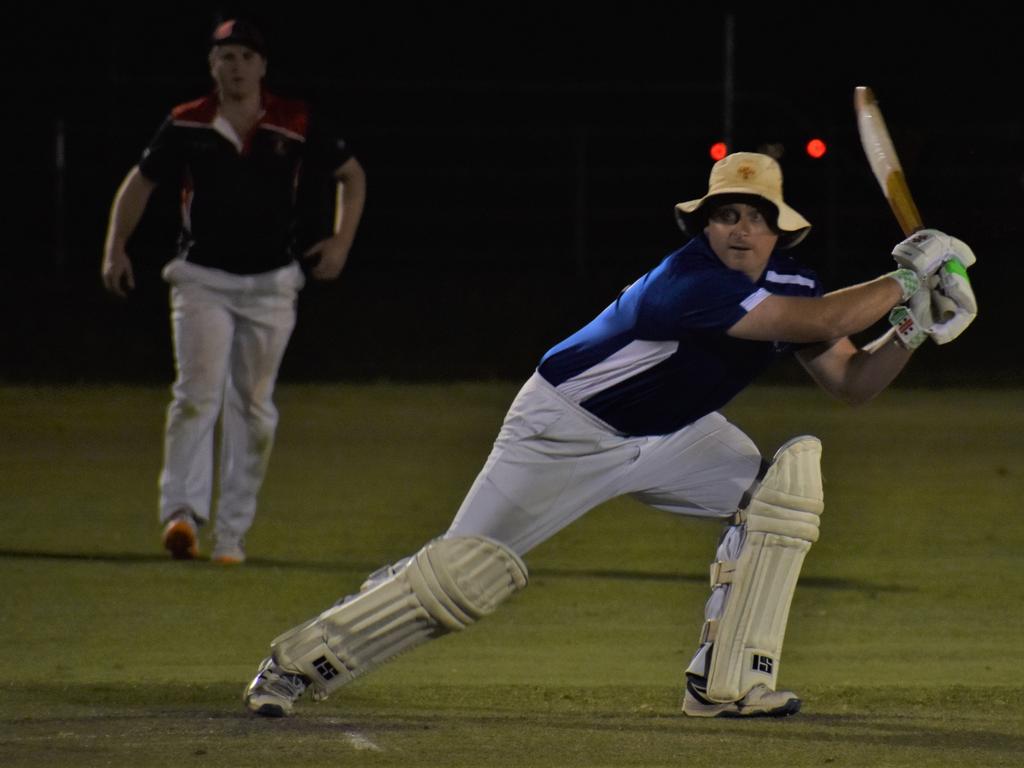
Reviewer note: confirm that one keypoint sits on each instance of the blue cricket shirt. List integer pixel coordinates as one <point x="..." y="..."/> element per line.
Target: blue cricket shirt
<point x="658" y="357"/>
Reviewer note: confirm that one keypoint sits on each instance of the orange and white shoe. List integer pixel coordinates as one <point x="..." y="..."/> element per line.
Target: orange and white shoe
<point x="228" y="554"/>
<point x="180" y="536"/>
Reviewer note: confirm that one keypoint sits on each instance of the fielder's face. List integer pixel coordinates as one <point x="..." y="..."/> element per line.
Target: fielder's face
<point x="741" y="237"/>
<point x="237" y="70"/>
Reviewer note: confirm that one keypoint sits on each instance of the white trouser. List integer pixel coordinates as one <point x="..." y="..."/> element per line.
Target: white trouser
<point x="553" y="461"/>
<point x="230" y="335"/>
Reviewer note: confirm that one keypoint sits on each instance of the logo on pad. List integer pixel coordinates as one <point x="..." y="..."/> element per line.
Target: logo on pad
<point x="325" y="669"/>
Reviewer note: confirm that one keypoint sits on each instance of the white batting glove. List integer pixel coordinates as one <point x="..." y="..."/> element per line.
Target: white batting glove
<point x="926" y="307"/>
<point x="914" y="323"/>
<point x="910" y="329"/>
<point x="942" y="308"/>
<point x="927" y="250"/>
<point x="909" y="282"/>
<point x="945" y="332"/>
<point x="954" y="289"/>
<point x="956" y="285"/>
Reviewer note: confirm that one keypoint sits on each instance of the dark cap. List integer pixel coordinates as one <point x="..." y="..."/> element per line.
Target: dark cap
<point x="238" y="32"/>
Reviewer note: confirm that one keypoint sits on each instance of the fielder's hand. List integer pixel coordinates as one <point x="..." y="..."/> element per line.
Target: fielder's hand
<point x="327" y="258"/>
<point x="116" y="271"/>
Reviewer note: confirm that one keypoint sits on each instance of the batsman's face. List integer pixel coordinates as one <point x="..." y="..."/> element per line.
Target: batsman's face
<point x="237" y="70"/>
<point x="742" y="238"/>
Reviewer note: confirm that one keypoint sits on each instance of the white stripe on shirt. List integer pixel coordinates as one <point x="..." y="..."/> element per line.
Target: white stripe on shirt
<point x="775" y="277"/>
<point x="754" y="299"/>
<point x="633" y="359"/>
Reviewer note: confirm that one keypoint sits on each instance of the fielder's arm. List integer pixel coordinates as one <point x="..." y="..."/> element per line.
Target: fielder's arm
<point x="351" y="199"/>
<point x="125" y="213"/>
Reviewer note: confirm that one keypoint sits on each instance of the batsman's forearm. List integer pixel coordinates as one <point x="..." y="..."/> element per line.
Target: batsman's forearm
<point x="851" y="310"/>
<point x="874" y="367"/>
<point x="806" y="320"/>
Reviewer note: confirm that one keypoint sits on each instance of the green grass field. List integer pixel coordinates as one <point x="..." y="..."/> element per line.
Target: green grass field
<point x="904" y="640"/>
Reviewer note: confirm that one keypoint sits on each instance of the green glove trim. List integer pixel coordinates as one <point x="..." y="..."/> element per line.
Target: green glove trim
<point x="953" y="266"/>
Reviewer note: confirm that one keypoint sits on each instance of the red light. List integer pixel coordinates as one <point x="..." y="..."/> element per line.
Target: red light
<point x="718" y="150"/>
<point x="816" y="148"/>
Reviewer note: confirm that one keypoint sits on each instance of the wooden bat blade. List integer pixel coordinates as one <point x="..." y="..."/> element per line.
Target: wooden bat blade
<point x="884" y="162"/>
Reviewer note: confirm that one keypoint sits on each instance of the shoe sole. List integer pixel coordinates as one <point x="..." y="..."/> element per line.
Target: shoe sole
<point x="693" y="708"/>
<point x="791" y="707"/>
<point x="270" y="710"/>
<point x="180" y="541"/>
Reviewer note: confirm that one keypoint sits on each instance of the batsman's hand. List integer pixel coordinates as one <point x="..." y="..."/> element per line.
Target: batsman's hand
<point x="956" y="286"/>
<point x="909" y="282"/>
<point x="913" y="321"/>
<point x="945" y="332"/>
<point x="116" y="271"/>
<point x="927" y="250"/>
<point x="942" y="308"/>
<point x="954" y="292"/>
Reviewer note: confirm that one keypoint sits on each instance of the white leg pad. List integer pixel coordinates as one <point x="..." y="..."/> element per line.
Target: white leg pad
<point x="445" y="587"/>
<point x="781" y="523"/>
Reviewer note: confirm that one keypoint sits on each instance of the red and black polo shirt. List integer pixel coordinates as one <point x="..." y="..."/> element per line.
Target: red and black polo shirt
<point x="242" y="197"/>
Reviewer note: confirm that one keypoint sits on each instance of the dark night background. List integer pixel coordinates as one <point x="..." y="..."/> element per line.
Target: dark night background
<point x="522" y="159"/>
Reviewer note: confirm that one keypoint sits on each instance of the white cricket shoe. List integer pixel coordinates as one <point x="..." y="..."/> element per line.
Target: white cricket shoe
<point x="760" y="701"/>
<point x="273" y="691"/>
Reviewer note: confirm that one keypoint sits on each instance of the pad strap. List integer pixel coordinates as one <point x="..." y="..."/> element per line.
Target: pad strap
<point x="722" y="572"/>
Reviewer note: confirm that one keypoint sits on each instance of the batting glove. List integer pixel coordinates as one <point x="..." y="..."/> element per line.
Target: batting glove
<point x="942" y="308"/>
<point x="909" y="282"/>
<point x="927" y="250"/>
<point x="956" y="285"/>
<point x="914" y="320"/>
<point x="945" y="332"/>
<point x="954" y="288"/>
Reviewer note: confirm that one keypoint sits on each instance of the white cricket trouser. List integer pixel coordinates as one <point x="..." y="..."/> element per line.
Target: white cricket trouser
<point x="553" y="461"/>
<point x="230" y="335"/>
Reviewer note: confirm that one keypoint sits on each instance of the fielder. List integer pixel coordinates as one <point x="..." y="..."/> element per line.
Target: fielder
<point x="236" y="156"/>
<point x="629" y="405"/>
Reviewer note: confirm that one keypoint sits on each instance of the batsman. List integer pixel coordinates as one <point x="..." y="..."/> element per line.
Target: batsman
<point x="629" y="405"/>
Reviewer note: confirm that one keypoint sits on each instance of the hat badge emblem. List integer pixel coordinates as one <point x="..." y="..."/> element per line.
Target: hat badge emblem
<point x="746" y="172"/>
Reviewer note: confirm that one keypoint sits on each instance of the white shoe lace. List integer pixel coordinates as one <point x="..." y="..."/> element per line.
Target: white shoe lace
<point x="283" y="684"/>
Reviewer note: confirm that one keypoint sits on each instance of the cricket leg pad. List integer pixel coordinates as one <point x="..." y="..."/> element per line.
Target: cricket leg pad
<point x="446" y="586"/>
<point x="780" y="524"/>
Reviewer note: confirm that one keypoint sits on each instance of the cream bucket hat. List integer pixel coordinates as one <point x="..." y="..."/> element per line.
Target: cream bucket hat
<point x="747" y="173"/>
